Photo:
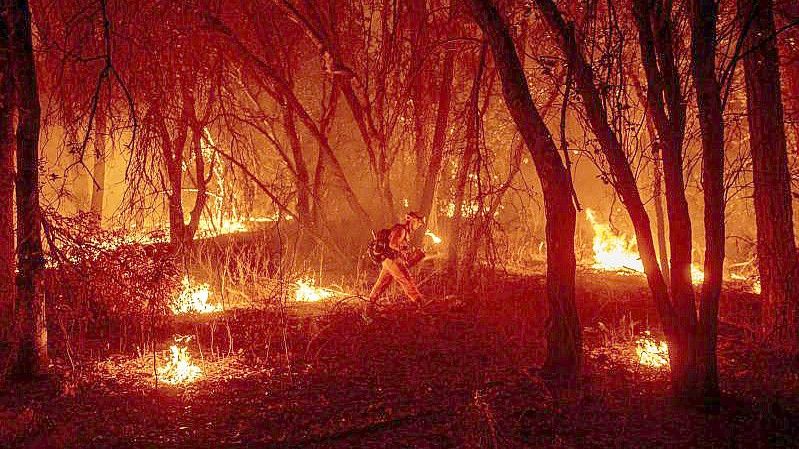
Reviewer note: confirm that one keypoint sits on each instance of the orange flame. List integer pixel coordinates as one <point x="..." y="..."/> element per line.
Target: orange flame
<point x="616" y="251"/>
<point x="306" y="291"/>
<point x="612" y="251"/>
<point x="193" y="299"/>
<point x="179" y="369"/>
<point x="652" y="352"/>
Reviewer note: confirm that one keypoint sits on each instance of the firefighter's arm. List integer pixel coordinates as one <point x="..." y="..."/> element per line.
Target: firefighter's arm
<point x="397" y="240"/>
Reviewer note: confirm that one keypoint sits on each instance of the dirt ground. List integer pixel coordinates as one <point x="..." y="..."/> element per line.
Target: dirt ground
<point x="461" y="373"/>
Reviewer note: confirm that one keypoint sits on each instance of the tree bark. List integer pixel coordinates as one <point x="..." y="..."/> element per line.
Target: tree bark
<point x="665" y="104"/>
<point x="776" y="248"/>
<point x="31" y="353"/>
<point x="711" y="123"/>
<point x="564" y="335"/>
<point x="7" y="264"/>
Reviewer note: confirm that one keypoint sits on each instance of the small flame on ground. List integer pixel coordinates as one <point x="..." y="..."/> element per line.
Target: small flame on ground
<point x="193" y="299"/>
<point x="651" y="352"/>
<point x="179" y="369"/>
<point x="434" y="238"/>
<point x="306" y="291"/>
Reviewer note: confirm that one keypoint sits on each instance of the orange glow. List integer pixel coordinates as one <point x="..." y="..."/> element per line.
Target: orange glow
<point x="651" y="352"/>
<point x="434" y="238"/>
<point x="612" y="251"/>
<point x="617" y="251"/>
<point x="306" y="291"/>
<point x="179" y="369"/>
<point x="193" y="299"/>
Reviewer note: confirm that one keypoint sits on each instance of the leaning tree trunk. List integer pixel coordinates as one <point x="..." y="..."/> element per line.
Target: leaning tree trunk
<point x="564" y="336"/>
<point x="711" y="123"/>
<point x="776" y="248"/>
<point x="7" y="263"/>
<point x="31" y="353"/>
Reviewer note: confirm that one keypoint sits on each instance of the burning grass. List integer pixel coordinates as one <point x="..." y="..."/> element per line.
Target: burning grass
<point x="193" y="298"/>
<point x="616" y="251"/>
<point x="179" y="369"/>
<point x="651" y="352"/>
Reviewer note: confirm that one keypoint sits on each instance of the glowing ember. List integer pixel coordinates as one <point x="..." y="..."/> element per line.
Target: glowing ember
<point x="756" y="288"/>
<point x="193" y="299"/>
<point x="179" y="369"/>
<point x="651" y="352"/>
<point x="306" y="291"/>
<point x="613" y="251"/>
<point x="434" y="238"/>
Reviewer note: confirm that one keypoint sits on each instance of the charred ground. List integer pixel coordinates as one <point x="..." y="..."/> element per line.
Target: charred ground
<point x="461" y="373"/>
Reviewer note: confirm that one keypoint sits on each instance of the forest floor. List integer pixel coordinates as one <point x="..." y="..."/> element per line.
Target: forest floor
<point x="463" y="372"/>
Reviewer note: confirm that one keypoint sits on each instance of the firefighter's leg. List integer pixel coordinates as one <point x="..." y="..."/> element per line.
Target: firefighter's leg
<point x="401" y="274"/>
<point x="382" y="282"/>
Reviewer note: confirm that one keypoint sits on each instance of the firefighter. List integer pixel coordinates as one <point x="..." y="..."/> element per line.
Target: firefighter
<point x="398" y="255"/>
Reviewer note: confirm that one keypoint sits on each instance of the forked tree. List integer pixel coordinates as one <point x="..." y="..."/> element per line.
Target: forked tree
<point x="675" y="305"/>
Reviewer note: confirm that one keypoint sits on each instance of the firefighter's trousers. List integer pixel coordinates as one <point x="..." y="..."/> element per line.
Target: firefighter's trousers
<point x="395" y="269"/>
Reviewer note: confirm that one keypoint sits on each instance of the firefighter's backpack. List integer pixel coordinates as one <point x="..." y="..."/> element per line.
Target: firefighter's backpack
<point x="378" y="248"/>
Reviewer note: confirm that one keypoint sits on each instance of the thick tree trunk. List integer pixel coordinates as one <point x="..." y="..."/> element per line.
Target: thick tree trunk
<point x="711" y="123"/>
<point x="7" y="264"/>
<point x="776" y="248"/>
<point x="677" y="313"/>
<point x="31" y="352"/>
<point x="564" y="336"/>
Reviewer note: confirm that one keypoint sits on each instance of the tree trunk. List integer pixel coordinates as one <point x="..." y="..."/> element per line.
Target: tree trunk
<point x="621" y="173"/>
<point x="31" y="353"/>
<point x="300" y="167"/>
<point x="711" y="123"/>
<point x="665" y="104"/>
<point x="564" y="336"/>
<point x="7" y="264"/>
<point x="776" y="248"/>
